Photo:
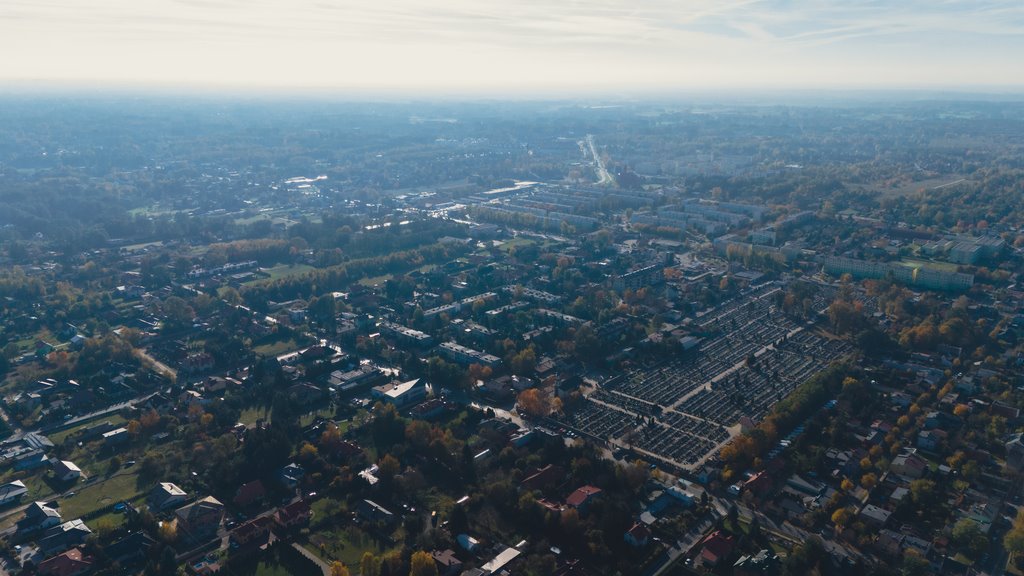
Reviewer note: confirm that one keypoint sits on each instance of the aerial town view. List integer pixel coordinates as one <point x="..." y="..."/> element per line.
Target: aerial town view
<point x="508" y="327"/>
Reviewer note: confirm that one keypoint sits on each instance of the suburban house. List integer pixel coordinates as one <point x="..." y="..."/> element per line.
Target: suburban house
<point x="250" y="493"/>
<point x="65" y="536"/>
<point x="115" y="437"/>
<point x="66" y="471"/>
<point x="716" y="547"/>
<point x="255" y="530"/>
<point x="12" y="492"/>
<point x="200" y="519"/>
<point x="447" y="563"/>
<point x="1015" y="452"/>
<point x="294" y="515"/>
<point x="292" y="474"/>
<point x="582" y="497"/>
<point x="372" y="512"/>
<point x="909" y="464"/>
<point x="874" y="516"/>
<point x="131" y="550"/>
<point x="70" y="563"/>
<point x="31" y="460"/>
<point x="38" y="516"/>
<point x="166" y="495"/>
<point x="638" y="536"/>
<point x="544" y="478"/>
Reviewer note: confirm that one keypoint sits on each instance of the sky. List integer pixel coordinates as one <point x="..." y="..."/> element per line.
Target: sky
<point x="514" y="46"/>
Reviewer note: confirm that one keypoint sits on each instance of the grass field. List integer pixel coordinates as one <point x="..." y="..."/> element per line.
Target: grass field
<point x="346" y="544"/>
<point x="267" y="569"/>
<point x="276" y="348"/>
<point x="121" y="487"/>
<point x="253" y="413"/>
<point x="942" y="266"/>
<point x="375" y="280"/>
<point x="282" y="271"/>
<point x="509" y="244"/>
<point x="58" y="437"/>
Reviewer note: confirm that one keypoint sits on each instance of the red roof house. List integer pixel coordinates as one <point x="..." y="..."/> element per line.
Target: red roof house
<point x="70" y="563"/>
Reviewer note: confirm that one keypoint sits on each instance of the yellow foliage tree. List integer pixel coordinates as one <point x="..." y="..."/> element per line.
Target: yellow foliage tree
<point x="422" y="564"/>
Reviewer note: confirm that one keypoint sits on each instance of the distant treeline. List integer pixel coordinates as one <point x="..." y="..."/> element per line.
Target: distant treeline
<point x="341" y="276"/>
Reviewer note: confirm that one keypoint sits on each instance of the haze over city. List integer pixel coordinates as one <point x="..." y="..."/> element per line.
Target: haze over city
<point x="513" y="47"/>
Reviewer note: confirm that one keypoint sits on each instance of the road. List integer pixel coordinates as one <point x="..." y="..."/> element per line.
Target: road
<point x="999" y="555"/>
<point x="158" y="365"/>
<point x="602" y="173"/>
<point x="794" y="535"/>
<point x="695" y="535"/>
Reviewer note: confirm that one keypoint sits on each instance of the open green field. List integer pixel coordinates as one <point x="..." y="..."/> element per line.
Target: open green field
<point x="119" y="488"/>
<point x="59" y="436"/>
<point x="941" y="266"/>
<point x="283" y="271"/>
<point x="268" y="569"/>
<point x="509" y="244"/>
<point x="346" y="544"/>
<point x="140" y="246"/>
<point x="375" y="280"/>
<point x="251" y="414"/>
<point x="276" y="348"/>
<point x="908" y="187"/>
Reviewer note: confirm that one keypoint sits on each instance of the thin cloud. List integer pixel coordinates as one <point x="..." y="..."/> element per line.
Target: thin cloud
<point x="512" y="42"/>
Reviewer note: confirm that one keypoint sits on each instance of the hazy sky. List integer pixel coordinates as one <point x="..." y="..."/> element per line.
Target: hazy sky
<point x="490" y="46"/>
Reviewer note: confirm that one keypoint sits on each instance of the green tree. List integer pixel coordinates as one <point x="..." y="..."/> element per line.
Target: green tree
<point x="967" y="534"/>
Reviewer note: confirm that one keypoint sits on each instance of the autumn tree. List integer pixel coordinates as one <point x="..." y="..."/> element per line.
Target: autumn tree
<point x="841" y="517"/>
<point x="338" y="569"/>
<point x="422" y="564"/>
<point x="369" y="565"/>
<point x="534" y="402"/>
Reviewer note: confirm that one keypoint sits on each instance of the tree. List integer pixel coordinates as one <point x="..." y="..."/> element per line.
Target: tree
<point x="338" y="569"/>
<point x="422" y="564"/>
<point x="1014" y="538"/>
<point x="177" y="312"/>
<point x="11" y="351"/>
<point x="922" y="492"/>
<point x="168" y="532"/>
<point x="967" y="534"/>
<point x="523" y="362"/>
<point x="868" y="480"/>
<point x="914" y="564"/>
<point x="535" y="402"/>
<point x="369" y="565"/>
<point x="387" y="469"/>
<point x="841" y="517"/>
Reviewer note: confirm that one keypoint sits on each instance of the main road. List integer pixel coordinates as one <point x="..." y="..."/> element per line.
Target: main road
<point x="602" y="173"/>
